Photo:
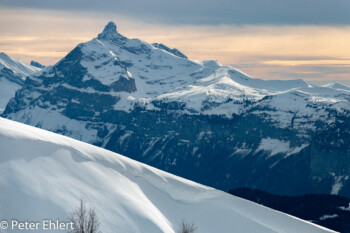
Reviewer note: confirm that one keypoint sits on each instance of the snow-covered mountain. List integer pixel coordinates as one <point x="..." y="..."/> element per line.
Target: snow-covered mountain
<point x="12" y="76"/>
<point x="43" y="176"/>
<point x="337" y="86"/>
<point x="18" y="68"/>
<point x="197" y="119"/>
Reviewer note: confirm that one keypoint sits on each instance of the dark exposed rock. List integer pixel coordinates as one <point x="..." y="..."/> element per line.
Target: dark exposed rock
<point x="9" y="75"/>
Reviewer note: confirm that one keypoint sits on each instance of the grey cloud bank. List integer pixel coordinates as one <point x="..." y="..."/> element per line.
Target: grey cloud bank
<point x="321" y="12"/>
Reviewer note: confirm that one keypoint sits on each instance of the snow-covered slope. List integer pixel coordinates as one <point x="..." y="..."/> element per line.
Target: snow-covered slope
<point x="43" y="175"/>
<point x="19" y="68"/>
<point x="12" y="76"/>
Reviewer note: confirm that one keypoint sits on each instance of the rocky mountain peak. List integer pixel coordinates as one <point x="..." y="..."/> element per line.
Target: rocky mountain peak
<point x="110" y="27"/>
<point x="109" y="32"/>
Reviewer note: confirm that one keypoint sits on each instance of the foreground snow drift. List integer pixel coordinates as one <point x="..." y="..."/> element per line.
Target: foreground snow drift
<point x="43" y="175"/>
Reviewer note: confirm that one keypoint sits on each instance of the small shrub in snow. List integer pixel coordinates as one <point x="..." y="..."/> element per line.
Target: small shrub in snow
<point x="84" y="220"/>
<point x="186" y="227"/>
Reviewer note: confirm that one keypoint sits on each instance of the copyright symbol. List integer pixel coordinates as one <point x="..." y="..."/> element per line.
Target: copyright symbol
<point x="4" y="225"/>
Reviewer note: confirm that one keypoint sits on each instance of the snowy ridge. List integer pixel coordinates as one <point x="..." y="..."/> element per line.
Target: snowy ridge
<point x="337" y="86"/>
<point x="300" y="108"/>
<point x="50" y="172"/>
<point x="12" y="76"/>
<point x="19" y="68"/>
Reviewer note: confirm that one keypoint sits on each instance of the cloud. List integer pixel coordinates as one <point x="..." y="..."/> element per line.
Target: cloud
<point x="320" y="12"/>
<point x="312" y="52"/>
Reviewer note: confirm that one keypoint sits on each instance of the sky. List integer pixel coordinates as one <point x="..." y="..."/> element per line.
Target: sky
<point x="270" y="39"/>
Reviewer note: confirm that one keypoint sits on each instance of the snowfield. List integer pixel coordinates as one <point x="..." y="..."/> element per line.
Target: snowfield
<point x="43" y="175"/>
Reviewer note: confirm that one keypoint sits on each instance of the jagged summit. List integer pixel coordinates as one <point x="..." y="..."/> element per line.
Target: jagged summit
<point x="110" y="27"/>
<point x="109" y="32"/>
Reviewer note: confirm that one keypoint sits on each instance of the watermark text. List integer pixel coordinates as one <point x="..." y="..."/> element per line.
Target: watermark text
<point x="46" y="224"/>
